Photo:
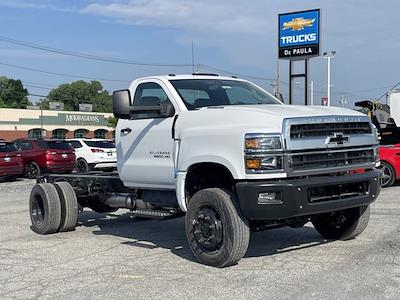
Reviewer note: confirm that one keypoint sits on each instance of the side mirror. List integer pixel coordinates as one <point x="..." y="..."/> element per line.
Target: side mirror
<point x="121" y="102"/>
<point x="167" y="109"/>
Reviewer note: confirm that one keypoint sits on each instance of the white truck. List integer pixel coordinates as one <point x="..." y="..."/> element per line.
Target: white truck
<point x="231" y="158"/>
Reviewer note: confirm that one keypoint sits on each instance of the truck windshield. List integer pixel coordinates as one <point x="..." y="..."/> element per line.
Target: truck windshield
<point x="197" y="93"/>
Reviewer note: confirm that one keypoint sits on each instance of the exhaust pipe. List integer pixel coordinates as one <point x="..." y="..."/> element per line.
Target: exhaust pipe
<point x="121" y="201"/>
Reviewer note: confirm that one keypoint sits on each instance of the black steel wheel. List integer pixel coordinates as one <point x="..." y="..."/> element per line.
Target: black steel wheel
<point x="208" y="230"/>
<point x="44" y="209"/>
<point x="32" y="170"/>
<point x="82" y="166"/>
<point x="388" y="174"/>
<point x="344" y="224"/>
<point x="217" y="232"/>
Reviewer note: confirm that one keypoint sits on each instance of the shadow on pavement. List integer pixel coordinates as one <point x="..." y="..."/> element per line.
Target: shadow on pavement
<point x="170" y="234"/>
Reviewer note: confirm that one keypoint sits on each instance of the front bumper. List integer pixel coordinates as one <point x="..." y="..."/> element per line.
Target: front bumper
<point x="308" y="196"/>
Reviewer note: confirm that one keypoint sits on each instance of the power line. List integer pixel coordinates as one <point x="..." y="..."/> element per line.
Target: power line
<point x="388" y="91"/>
<point x="88" y="56"/>
<point x="62" y="74"/>
<point x="36" y="86"/>
<point x="121" y="61"/>
<point x="234" y="73"/>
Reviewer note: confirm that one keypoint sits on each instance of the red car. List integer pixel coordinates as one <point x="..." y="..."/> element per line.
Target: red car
<point x="46" y="156"/>
<point x="390" y="163"/>
<point x="11" y="164"/>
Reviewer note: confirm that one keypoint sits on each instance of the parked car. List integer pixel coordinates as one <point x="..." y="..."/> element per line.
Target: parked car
<point x="46" y="156"/>
<point x="11" y="165"/>
<point x="390" y="163"/>
<point x="92" y="154"/>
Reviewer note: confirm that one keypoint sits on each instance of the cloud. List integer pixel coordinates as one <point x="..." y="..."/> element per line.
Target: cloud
<point x="221" y="16"/>
<point x="43" y="4"/>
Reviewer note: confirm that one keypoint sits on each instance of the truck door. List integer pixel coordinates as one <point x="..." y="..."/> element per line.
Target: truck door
<point x="144" y="143"/>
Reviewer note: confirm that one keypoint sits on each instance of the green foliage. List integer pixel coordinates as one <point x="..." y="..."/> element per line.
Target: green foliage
<point x="74" y="93"/>
<point x="13" y="94"/>
<point x="112" y="121"/>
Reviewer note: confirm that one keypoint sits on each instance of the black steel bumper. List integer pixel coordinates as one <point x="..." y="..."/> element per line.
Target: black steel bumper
<point x="308" y="196"/>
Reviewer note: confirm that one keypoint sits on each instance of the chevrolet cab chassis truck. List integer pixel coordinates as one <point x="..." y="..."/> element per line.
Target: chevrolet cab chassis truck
<point x="231" y="158"/>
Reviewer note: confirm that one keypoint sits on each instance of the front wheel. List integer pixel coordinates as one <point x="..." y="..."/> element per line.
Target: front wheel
<point x="217" y="233"/>
<point x="344" y="224"/>
<point x="388" y="174"/>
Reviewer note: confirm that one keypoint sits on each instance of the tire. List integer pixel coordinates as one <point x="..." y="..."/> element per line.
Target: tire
<point x="82" y="166"/>
<point x="217" y="233"/>
<point x="45" y="209"/>
<point x="32" y="170"/>
<point x="69" y="206"/>
<point x="342" y="225"/>
<point x="388" y="174"/>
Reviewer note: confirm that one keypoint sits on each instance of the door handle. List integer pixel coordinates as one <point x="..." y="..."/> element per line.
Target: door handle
<point x="126" y="130"/>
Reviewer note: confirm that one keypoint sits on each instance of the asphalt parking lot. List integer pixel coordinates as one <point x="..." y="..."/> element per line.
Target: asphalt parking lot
<point x="114" y="256"/>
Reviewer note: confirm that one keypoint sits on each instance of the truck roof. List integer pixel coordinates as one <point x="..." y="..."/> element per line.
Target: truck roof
<point x="191" y="76"/>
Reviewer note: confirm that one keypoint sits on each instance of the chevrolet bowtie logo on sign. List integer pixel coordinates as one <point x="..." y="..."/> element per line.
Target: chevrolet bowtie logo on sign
<point x="298" y="24"/>
<point x="299" y="34"/>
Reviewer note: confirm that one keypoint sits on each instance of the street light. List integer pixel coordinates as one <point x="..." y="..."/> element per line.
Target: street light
<point x="329" y="56"/>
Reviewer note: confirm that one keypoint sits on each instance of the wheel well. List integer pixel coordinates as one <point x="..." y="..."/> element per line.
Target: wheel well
<point x="207" y="175"/>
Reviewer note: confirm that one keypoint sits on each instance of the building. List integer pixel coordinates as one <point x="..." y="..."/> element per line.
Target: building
<point x="22" y="123"/>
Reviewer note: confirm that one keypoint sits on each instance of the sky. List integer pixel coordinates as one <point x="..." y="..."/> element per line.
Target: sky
<point x="236" y="36"/>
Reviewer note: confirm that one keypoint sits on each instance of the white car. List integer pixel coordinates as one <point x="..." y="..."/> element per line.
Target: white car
<point x="94" y="154"/>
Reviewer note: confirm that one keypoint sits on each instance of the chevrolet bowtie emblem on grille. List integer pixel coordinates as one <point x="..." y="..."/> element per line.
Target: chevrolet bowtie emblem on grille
<point x="337" y="139"/>
<point x="298" y="24"/>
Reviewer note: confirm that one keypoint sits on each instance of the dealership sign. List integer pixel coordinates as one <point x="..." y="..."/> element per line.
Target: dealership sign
<point x="72" y="118"/>
<point x="299" y="34"/>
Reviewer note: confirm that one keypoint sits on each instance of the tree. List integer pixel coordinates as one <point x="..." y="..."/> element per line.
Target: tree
<point x="112" y="122"/>
<point x="74" y="93"/>
<point x="13" y="94"/>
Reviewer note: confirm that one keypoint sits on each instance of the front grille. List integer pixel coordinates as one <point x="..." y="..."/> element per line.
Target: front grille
<point x="329" y="158"/>
<point x="326" y="129"/>
<point x="338" y="191"/>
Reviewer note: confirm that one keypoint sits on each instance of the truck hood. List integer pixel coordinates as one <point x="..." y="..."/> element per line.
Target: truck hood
<point x="292" y="111"/>
<point x="253" y="118"/>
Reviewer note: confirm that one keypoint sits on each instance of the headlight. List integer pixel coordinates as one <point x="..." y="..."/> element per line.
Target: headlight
<point x="263" y="153"/>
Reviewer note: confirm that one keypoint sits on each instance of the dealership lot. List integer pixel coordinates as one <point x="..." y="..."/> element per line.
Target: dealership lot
<point x="115" y="255"/>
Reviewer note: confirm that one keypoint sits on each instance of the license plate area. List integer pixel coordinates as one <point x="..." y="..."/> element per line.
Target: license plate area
<point x="64" y="155"/>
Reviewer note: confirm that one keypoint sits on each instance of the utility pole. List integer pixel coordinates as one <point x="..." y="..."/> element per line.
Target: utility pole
<point x="312" y="92"/>
<point x="277" y="78"/>
<point x="41" y="120"/>
<point x="328" y="56"/>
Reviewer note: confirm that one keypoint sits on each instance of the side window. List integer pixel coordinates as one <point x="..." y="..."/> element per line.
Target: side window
<point x="76" y="144"/>
<point x="149" y="94"/>
<point x="24" y="145"/>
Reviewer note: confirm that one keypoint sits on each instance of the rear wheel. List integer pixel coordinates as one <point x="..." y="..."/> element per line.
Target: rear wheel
<point x="342" y="225"/>
<point x="388" y="174"/>
<point x="69" y="206"/>
<point x="82" y="166"/>
<point x="32" y="170"/>
<point x="217" y="233"/>
<point x="45" y="209"/>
